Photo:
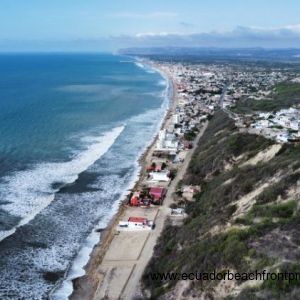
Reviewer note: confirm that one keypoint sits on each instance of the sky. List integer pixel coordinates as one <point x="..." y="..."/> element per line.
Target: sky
<point x="106" y="25"/>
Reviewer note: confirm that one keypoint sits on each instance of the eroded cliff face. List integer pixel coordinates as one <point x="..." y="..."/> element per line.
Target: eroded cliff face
<point x="245" y="219"/>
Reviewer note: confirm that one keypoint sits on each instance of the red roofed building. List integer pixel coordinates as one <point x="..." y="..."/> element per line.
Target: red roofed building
<point x="158" y="193"/>
<point x="150" y="168"/>
<point x="135" y="199"/>
<point x="138" y="220"/>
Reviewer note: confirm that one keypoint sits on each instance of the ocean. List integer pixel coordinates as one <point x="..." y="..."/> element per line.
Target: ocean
<point x="72" y="127"/>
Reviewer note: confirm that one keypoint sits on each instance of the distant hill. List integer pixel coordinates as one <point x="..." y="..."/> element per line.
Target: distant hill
<point x="216" y="53"/>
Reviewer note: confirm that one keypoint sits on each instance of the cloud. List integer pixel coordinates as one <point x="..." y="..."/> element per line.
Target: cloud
<point x="293" y="27"/>
<point x="240" y="37"/>
<point x="154" y="34"/>
<point x="150" y="15"/>
<point x="286" y="36"/>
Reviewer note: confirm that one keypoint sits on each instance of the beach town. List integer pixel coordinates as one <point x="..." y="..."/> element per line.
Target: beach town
<point x="118" y="261"/>
<point x="207" y="87"/>
<point x="149" y="150"/>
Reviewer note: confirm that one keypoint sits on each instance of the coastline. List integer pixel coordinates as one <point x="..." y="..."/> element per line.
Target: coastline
<point x="85" y="286"/>
<point x="118" y="261"/>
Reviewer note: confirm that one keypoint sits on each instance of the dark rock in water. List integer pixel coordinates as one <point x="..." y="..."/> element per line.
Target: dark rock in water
<point x="52" y="277"/>
<point x="99" y="229"/>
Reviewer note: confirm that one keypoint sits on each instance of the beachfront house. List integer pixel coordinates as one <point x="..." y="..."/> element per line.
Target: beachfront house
<point x="158" y="194"/>
<point x="166" y="141"/>
<point x="135" y="199"/>
<point x="176" y="119"/>
<point x="140" y="199"/>
<point x="136" y="223"/>
<point x="162" y="176"/>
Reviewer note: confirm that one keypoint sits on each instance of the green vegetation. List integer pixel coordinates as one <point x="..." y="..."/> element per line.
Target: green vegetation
<point x="283" y="288"/>
<point x="200" y="243"/>
<point x="283" y="285"/>
<point x="284" y="95"/>
<point x="283" y="210"/>
<point x="280" y="188"/>
<point x="267" y="212"/>
<point x="191" y="134"/>
<point x="220" y="145"/>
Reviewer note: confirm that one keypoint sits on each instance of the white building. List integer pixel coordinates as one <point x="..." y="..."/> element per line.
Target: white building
<point x="295" y="125"/>
<point x="176" y="119"/>
<point x="159" y="176"/>
<point x="282" y="137"/>
<point x="135" y="224"/>
<point x="166" y="141"/>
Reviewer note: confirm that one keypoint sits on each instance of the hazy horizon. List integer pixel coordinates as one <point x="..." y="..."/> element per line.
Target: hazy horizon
<point x="106" y="27"/>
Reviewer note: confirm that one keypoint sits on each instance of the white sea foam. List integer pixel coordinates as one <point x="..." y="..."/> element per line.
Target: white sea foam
<point x="29" y="192"/>
<point x="150" y="71"/>
<point x="77" y="268"/>
<point x="65" y="289"/>
<point x="146" y="68"/>
<point x="162" y="83"/>
<point x="140" y="65"/>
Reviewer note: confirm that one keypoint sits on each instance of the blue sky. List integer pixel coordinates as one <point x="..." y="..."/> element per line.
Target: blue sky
<point x="110" y="24"/>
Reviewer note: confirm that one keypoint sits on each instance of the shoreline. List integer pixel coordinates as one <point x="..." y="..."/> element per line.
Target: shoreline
<point x="84" y="286"/>
<point x="118" y="261"/>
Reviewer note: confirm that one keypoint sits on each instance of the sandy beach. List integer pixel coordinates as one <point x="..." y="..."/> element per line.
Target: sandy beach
<point x="117" y="262"/>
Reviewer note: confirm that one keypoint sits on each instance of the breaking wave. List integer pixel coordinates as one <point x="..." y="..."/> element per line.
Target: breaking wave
<point x="146" y="68"/>
<point x="26" y="193"/>
<point x="65" y="289"/>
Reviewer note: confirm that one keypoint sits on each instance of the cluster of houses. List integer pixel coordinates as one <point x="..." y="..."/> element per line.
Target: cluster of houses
<point x="173" y="143"/>
<point x="200" y="89"/>
<point x="152" y="189"/>
<point x="283" y="126"/>
<point x="215" y="85"/>
<point x="169" y="151"/>
<point x="254" y="82"/>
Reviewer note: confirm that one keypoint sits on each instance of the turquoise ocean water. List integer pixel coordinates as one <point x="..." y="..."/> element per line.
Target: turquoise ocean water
<point x="72" y="127"/>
